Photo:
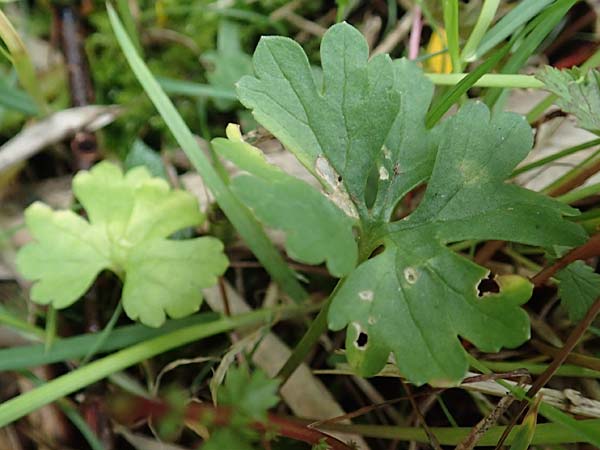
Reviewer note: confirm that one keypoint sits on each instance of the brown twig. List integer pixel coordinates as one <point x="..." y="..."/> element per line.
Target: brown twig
<point x="589" y="249"/>
<point x="134" y="409"/>
<point x="84" y="144"/>
<point x="573" y="358"/>
<point x="576" y="181"/>
<point x="433" y="440"/>
<point x="558" y="360"/>
<point x="487" y="251"/>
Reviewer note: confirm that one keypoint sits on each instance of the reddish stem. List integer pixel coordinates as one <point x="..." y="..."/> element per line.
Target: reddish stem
<point x="136" y="409"/>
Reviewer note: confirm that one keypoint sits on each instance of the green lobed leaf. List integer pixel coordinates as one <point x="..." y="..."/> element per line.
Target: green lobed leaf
<point x="422" y="295"/>
<point x="66" y="256"/>
<point x="578" y="287"/>
<point x="250" y="395"/>
<point x="287" y="203"/>
<point x="578" y="94"/>
<point x="415" y="298"/>
<point x="130" y="216"/>
<point x="358" y="124"/>
<point x="227" y="438"/>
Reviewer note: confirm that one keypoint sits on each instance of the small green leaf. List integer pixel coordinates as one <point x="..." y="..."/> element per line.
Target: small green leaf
<point x="66" y="256"/>
<point x="578" y="94"/>
<point x="578" y="287"/>
<point x="227" y="438"/>
<point x="130" y="217"/>
<point x="165" y="276"/>
<point x="250" y="395"/>
<point x="228" y="63"/>
<point x="284" y="202"/>
<point x="142" y="155"/>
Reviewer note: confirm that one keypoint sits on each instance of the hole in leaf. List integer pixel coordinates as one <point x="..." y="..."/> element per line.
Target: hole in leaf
<point x="362" y="339"/>
<point x="377" y="251"/>
<point x="487" y="286"/>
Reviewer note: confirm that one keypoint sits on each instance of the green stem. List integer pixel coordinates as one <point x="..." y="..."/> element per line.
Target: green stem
<point x="488" y="80"/>
<point x="103" y="334"/>
<point x="28" y="402"/>
<point x="526" y="262"/>
<point x="50" y="334"/>
<point x="310" y="338"/>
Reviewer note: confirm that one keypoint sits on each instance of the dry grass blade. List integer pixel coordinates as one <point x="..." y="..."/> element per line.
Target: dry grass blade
<point x="54" y="129"/>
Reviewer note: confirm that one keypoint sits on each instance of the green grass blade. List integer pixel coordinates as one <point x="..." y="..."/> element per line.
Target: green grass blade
<point x="241" y="218"/>
<point x="30" y="401"/>
<point x="22" y="62"/>
<point x="534" y="34"/>
<point x="548" y="159"/>
<point x="129" y="23"/>
<point x="452" y="37"/>
<point x="581" y="431"/>
<point x="521" y="14"/>
<point x="191" y="89"/>
<point x="545" y="433"/>
<point x="486" y="17"/>
<point x="16" y="99"/>
<point x="73" y="415"/>
<point x="23" y="357"/>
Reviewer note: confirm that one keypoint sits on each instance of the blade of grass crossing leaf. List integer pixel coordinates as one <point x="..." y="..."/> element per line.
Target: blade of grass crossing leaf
<point x="30" y="401"/>
<point x="438" y="110"/>
<point x="510" y="23"/>
<point x="451" y="25"/>
<point x="486" y="17"/>
<point x="21" y="61"/>
<point x="238" y="214"/>
<point x="533" y="34"/>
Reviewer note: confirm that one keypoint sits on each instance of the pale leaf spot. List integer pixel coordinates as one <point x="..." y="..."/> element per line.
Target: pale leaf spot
<point x="411" y="275"/>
